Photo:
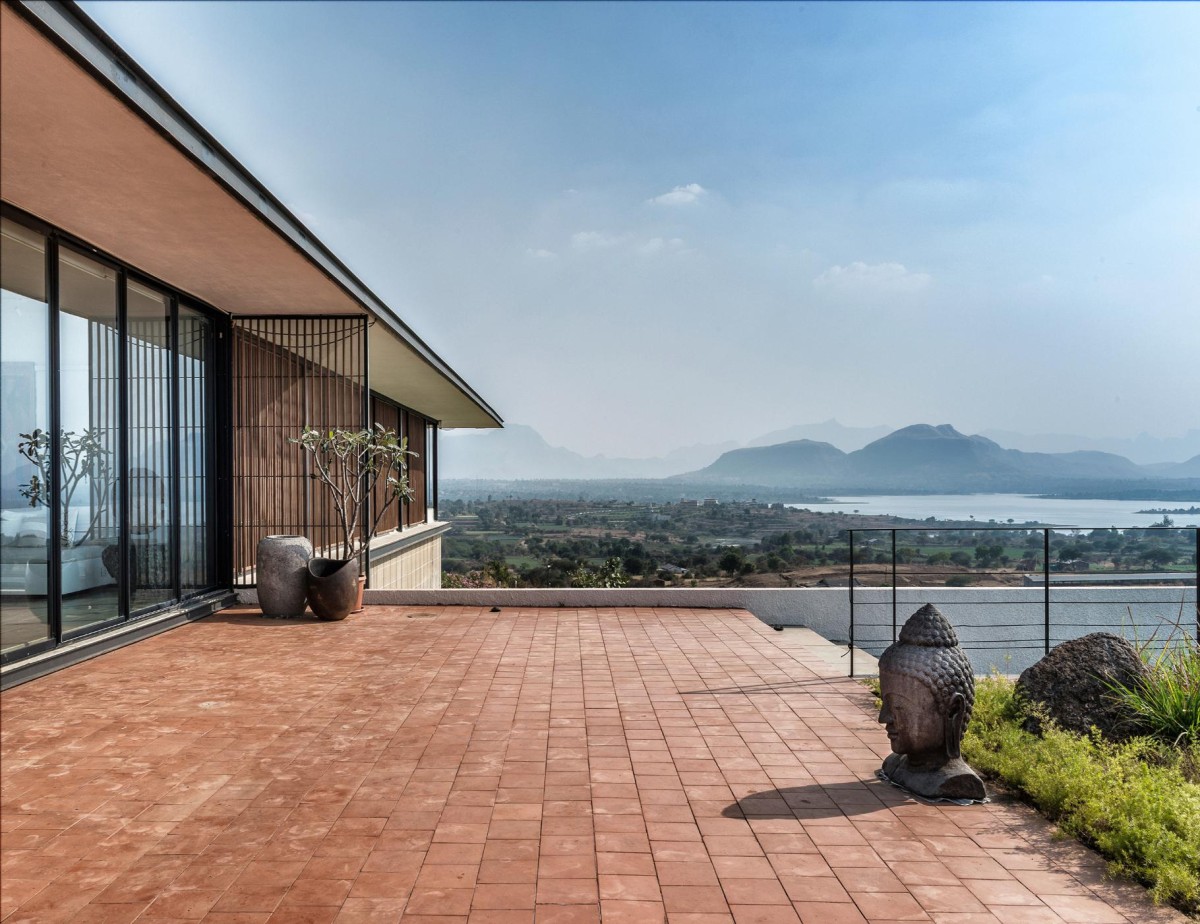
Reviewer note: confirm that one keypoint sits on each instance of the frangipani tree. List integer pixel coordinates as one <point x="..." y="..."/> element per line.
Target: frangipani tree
<point x="85" y="458"/>
<point x="351" y="463"/>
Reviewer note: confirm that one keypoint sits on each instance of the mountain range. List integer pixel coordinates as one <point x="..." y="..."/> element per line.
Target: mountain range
<point x="822" y="456"/>
<point x="519" y="452"/>
<point x="924" y="457"/>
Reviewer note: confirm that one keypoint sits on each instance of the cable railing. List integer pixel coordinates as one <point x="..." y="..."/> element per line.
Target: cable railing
<point x="1013" y="593"/>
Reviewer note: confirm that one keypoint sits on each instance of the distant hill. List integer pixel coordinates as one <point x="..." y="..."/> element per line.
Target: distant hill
<point x="1188" y="469"/>
<point x="761" y="465"/>
<point x="1142" y="449"/>
<point x="830" y="431"/>
<point x="519" y="452"/>
<point x="920" y="457"/>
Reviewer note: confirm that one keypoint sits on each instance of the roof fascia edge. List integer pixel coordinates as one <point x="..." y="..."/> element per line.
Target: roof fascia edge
<point x="84" y="41"/>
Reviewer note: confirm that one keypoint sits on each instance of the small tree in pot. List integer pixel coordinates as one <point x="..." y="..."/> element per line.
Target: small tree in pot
<point x="351" y="464"/>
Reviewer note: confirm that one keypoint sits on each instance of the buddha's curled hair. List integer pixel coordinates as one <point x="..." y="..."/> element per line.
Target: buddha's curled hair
<point x="928" y="651"/>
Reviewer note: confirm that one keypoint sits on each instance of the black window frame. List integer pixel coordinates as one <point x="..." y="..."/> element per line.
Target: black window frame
<point x="217" y="448"/>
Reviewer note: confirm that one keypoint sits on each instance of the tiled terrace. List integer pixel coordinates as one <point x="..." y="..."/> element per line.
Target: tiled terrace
<point x="458" y="765"/>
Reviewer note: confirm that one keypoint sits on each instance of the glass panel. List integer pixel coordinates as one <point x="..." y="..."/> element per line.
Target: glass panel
<point x="88" y="378"/>
<point x="24" y="423"/>
<point x="195" y="346"/>
<point x="150" y="485"/>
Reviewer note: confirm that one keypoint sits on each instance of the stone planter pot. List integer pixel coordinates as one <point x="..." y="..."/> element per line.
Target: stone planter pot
<point x="332" y="587"/>
<point x="280" y="567"/>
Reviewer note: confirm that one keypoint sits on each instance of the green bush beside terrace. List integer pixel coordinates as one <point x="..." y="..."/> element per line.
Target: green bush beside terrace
<point x="1137" y="803"/>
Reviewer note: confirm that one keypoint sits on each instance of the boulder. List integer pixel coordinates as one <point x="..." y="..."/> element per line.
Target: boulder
<point x="1072" y="685"/>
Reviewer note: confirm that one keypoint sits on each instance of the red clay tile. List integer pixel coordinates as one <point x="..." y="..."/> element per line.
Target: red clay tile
<point x="828" y="913"/>
<point x="494" y="769"/>
<point x="566" y="891"/>
<point x="1001" y="892"/>
<point x="568" y="866"/>
<point x="317" y="892"/>
<point x="624" y="888"/>
<point x="889" y="906"/>
<point x="946" y="898"/>
<point x="438" y="901"/>
<point x="814" y="889"/>
<point x="764" y="914"/>
<point x="1083" y="909"/>
<point x="628" y="864"/>
<point x="503" y="896"/>
<point x="631" y="912"/>
<point x="568" y="914"/>
<point x="694" y="898"/>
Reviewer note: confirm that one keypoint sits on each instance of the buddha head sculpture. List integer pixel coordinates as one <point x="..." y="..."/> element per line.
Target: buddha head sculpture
<point x="928" y="691"/>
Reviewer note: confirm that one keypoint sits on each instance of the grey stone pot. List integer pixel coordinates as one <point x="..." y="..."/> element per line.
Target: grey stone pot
<point x="281" y="562"/>
<point x="332" y="587"/>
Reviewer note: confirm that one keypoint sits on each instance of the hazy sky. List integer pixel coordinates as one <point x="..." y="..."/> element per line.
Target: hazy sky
<point x="638" y="226"/>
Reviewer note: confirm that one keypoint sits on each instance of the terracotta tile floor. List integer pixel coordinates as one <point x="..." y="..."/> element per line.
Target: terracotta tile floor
<point x="553" y="765"/>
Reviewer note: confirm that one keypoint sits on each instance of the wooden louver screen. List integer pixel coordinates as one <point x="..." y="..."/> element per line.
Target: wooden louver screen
<point x="411" y="425"/>
<point x="289" y="372"/>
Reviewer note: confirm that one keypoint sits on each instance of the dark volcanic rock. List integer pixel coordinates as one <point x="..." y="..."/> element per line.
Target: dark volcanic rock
<point x="1072" y="685"/>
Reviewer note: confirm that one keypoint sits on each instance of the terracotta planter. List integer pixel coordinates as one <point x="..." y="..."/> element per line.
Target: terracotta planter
<point x="332" y="587"/>
<point x="280" y="574"/>
<point x="358" y="601"/>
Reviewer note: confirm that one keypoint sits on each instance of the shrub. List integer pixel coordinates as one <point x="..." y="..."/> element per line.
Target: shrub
<point x="1167" y="702"/>
<point x="1133" y="802"/>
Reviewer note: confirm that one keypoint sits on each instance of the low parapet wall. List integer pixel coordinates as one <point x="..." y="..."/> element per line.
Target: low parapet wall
<point x="1000" y="627"/>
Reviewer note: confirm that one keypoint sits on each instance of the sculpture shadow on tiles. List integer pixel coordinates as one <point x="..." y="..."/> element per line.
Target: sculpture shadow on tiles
<point x="928" y="691"/>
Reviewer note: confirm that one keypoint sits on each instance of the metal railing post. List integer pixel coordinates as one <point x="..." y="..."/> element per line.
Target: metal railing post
<point x="851" y="585"/>
<point x="893" y="587"/>
<point x="1046" y="586"/>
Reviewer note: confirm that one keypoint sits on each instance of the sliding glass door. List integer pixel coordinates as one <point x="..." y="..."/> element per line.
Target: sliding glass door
<point x="151" y="441"/>
<point x="25" y="503"/>
<point x="89" y="445"/>
<point x="106" y="444"/>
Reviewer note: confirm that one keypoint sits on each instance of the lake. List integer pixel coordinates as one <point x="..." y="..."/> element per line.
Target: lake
<point x="1021" y="508"/>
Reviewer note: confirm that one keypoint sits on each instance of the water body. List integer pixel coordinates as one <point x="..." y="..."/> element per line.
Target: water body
<point x="1020" y="508"/>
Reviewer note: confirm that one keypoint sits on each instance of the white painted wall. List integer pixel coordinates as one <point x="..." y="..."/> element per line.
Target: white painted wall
<point x="1000" y="627"/>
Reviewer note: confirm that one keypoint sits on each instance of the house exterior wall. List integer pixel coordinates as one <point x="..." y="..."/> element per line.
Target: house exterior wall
<point x="417" y="566"/>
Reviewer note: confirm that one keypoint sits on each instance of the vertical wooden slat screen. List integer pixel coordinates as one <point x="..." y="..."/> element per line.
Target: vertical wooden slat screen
<point x="288" y="373"/>
<point x="387" y="415"/>
<point x="412" y="425"/>
<point x="414" y="429"/>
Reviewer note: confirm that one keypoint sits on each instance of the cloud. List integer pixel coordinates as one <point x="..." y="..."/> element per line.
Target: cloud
<point x="595" y="240"/>
<point x="657" y="245"/>
<point x="681" y="195"/>
<point x="540" y="253"/>
<point x="892" y="278"/>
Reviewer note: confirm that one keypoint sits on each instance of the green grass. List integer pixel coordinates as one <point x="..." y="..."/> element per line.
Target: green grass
<point x="1167" y="702"/>
<point x="1137" y="803"/>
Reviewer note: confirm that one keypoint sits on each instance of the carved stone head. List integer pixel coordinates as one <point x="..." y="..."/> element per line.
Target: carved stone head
<point x="928" y="692"/>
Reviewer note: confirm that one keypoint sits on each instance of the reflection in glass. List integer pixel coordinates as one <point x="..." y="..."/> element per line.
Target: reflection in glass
<point x="195" y="346"/>
<point x="90" y="461"/>
<point x="150" y="482"/>
<point x="24" y="417"/>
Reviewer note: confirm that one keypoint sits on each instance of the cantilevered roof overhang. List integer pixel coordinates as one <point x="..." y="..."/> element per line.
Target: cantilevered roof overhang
<point x="91" y="144"/>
